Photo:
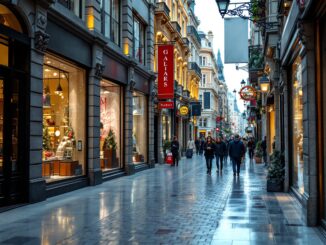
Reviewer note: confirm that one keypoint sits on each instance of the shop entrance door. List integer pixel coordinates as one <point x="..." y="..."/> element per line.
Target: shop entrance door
<point x="11" y="169"/>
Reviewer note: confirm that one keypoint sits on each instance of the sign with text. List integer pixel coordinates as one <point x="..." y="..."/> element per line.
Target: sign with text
<point x="184" y="110"/>
<point x="166" y="105"/>
<point x="165" y="72"/>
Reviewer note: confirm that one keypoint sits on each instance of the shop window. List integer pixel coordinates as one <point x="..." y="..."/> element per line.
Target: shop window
<point x="110" y="143"/>
<point x="4" y="51"/>
<point x="139" y="131"/>
<point x="111" y="20"/>
<point x="297" y="116"/>
<point x="63" y="120"/>
<point x="7" y="18"/>
<point x="77" y="6"/>
<point x="205" y="123"/>
<point x="166" y="125"/>
<point x="139" y="41"/>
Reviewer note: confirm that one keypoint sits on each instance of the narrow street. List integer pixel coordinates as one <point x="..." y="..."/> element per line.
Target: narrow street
<point x="164" y="205"/>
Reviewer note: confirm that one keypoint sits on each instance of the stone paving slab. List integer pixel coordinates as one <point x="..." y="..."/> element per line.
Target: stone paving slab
<point x="165" y="205"/>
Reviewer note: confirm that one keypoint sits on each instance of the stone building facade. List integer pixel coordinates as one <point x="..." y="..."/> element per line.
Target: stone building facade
<point x="83" y="86"/>
<point x="295" y="63"/>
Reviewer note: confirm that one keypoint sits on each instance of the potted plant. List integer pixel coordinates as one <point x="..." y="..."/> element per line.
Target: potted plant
<point x="258" y="152"/>
<point x="275" y="173"/>
<point x="109" y="148"/>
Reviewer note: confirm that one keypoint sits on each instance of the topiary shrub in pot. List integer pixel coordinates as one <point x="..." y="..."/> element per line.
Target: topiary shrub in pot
<point x="258" y="152"/>
<point x="109" y="148"/>
<point x="275" y="173"/>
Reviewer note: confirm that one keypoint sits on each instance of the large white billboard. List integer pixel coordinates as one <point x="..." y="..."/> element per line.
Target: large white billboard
<point x="235" y="40"/>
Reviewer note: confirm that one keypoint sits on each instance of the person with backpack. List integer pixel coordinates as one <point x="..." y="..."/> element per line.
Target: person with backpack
<point x="209" y="148"/>
<point x="220" y="151"/>
<point x="236" y="152"/>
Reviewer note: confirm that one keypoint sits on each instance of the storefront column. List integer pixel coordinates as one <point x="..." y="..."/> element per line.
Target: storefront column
<point x="128" y="106"/>
<point x="277" y="118"/>
<point x="160" y="138"/>
<point x="37" y="186"/>
<point x="151" y="112"/>
<point x="287" y="119"/>
<point x="94" y="131"/>
<point x="310" y="176"/>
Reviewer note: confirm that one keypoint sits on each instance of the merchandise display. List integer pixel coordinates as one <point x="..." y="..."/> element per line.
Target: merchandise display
<point x="61" y="122"/>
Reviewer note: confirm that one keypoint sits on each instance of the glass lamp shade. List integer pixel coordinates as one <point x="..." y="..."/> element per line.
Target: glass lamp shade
<point x="264" y="84"/>
<point x="223" y="6"/>
<point x="59" y="89"/>
<point x="46" y="100"/>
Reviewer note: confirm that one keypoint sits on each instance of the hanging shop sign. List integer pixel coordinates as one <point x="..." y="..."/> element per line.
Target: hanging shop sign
<point x="195" y="109"/>
<point x="166" y="105"/>
<point x="248" y="93"/>
<point x="165" y="72"/>
<point x="184" y="110"/>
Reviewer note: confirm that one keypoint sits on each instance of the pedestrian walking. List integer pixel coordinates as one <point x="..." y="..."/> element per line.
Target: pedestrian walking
<point x="175" y="151"/>
<point x="251" y="148"/>
<point x="197" y="144"/>
<point x="264" y="148"/>
<point x="227" y="150"/>
<point x="209" y="148"/>
<point x="220" y="151"/>
<point x="236" y="152"/>
<point x="202" y="144"/>
<point x="190" y="148"/>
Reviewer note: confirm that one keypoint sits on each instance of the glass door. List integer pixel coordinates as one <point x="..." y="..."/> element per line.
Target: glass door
<point x="11" y="171"/>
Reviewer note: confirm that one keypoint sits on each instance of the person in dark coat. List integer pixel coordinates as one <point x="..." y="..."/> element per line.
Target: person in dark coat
<point x="209" y="149"/>
<point x="202" y="144"/>
<point x="264" y="147"/>
<point x="220" y="151"/>
<point x="236" y="152"/>
<point x="251" y="148"/>
<point x="197" y="144"/>
<point x="175" y="151"/>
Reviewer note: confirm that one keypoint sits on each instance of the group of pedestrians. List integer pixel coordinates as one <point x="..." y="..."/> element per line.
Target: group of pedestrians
<point x="219" y="149"/>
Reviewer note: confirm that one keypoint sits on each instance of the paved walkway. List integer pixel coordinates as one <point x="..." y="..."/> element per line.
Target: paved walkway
<point x="165" y="205"/>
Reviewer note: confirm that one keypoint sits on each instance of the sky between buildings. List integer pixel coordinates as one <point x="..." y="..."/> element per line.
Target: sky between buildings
<point x="211" y="20"/>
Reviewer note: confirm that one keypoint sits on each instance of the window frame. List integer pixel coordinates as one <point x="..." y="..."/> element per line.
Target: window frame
<point x="142" y="27"/>
<point x="104" y="14"/>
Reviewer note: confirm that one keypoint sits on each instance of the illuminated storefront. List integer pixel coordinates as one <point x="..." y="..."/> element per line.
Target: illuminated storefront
<point x="63" y="119"/>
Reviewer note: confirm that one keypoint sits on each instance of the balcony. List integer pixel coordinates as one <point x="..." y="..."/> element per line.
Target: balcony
<point x="185" y="41"/>
<point x="176" y="26"/>
<point x="162" y="8"/>
<point x="191" y="31"/>
<point x="193" y="66"/>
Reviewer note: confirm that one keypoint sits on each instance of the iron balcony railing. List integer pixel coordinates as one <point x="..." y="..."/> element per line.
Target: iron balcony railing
<point x="176" y="26"/>
<point x="256" y="58"/>
<point x="191" y="31"/>
<point x="162" y="7"/>
<point x="194" y="66"/>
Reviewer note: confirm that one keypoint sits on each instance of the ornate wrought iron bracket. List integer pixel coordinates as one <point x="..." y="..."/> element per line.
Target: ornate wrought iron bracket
<point x="253" y="11"/>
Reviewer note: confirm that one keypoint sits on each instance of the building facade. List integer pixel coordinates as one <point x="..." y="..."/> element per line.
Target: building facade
<point x="174" y="22"/>
<point x="209" y="89"/>
<point x="294" y="60"/>
<point x="80" y="74"/>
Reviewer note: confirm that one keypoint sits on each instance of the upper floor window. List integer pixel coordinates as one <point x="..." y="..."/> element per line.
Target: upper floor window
<point x="203" y="60"/>
<point x="203" y="80"/>
<point x="209" y="44"/>
<point x="111" y="20"/>
<point x="205" y="123"/>
<point x="139" y="41"/>
<point x="77" y="6"/>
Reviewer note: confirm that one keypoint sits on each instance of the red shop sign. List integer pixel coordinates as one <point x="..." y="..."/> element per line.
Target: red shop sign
<point x="165" y="72"/>
<point x="166" y="105"/>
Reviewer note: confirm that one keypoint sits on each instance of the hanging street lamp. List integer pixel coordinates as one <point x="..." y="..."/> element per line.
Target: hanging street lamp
<point x="264" y="84"/>
<point x="242" y="83"/>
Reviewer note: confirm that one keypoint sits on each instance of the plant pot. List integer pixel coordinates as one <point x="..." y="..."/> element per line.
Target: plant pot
<point x="112" y="158"/>
<point x="258" y="159"/>
<point x="274" y="186"/>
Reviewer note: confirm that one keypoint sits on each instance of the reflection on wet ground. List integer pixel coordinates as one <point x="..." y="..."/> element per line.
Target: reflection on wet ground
<point x="165" y="205"/>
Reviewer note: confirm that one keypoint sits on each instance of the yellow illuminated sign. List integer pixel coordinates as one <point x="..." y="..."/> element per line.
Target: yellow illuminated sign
<point x="184" y="110"/>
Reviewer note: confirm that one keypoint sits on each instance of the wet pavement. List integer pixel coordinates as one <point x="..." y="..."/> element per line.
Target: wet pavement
<point x="165" y="205"/>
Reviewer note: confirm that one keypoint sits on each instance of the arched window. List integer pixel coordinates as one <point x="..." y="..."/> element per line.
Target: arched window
<point x="7" y="18"/>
